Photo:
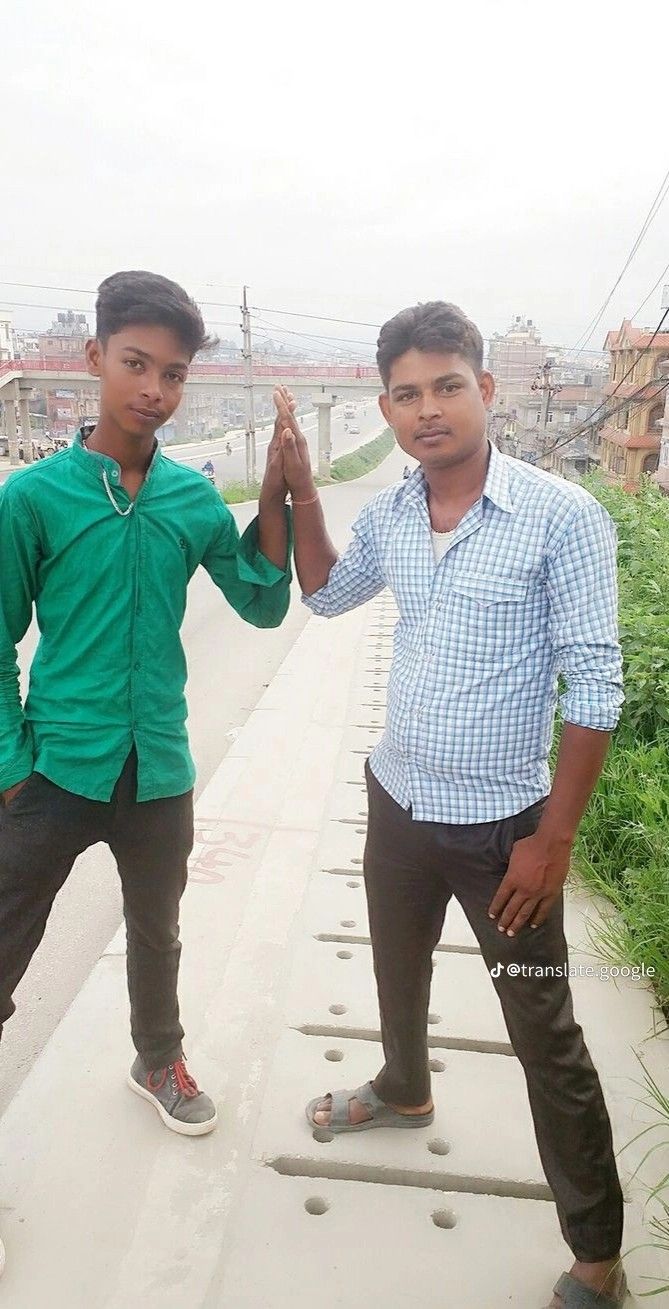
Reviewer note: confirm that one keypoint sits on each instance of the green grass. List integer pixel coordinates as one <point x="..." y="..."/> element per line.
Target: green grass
<point x="622" y="849"/>
<point x="363" y="460"/>
<point x="235" y="493"/>
<point x="345" y="469"/>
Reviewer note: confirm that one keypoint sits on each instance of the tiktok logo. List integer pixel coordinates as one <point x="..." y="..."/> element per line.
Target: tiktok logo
<point x="496" y="971"/>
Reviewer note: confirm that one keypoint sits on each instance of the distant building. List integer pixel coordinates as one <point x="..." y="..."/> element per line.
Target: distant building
<point x="67" y="335"/>
<point x="25" y="343"/>
<point x="514" y="360"/>
<point x="6" y="343"/>
<point x="632" y="436"/>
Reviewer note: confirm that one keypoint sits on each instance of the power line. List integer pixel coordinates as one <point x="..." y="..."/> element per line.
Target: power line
<point x="655" y="207"/>
<point x="661" y="387"/>
<point x="312" y="336"/>
<point x="663" y="274"/>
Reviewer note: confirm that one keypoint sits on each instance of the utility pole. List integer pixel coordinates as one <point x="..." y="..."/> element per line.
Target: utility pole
<point x="544" y="384"/>
<point x="248" y="388"/>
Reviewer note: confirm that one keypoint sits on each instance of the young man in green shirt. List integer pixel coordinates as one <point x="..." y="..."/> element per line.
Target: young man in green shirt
<point x="103" y="539"/>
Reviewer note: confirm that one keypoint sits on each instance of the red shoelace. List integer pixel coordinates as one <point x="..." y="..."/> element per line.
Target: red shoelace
<point x="187" y="1084"/>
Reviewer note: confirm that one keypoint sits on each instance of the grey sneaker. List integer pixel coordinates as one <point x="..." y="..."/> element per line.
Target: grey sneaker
<point x="181" y="1105"/>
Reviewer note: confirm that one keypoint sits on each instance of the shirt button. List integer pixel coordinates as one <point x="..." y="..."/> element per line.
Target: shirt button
<point x="136" y="666"/>
<point x="115" y="476"/>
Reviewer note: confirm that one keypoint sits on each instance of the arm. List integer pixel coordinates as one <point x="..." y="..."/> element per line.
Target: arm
<point x="330" y="585"/>
<point x="315" y="554"/>
<point x="252" y="584"/>
<point x="273" y="527"/>
<point x="19" y="553"/>
<point x="583" y="596"/>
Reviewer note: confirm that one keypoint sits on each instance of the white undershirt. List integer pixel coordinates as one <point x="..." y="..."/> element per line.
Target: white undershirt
<point x="441" y="543"/>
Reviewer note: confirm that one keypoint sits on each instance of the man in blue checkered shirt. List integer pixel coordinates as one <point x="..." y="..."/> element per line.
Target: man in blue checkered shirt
<point x="505" y="578"/>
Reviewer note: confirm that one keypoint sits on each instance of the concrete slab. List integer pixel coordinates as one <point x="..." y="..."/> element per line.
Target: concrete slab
<point x="379" y="1246"/>
<point x="463" y="1005"/>
<point x="328" y="899"/>
<point x="468" y="1089"/>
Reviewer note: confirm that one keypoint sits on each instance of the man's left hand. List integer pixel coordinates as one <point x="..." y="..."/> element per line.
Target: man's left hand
<point x="274" y="482"/>
<point x="537" y="871"/>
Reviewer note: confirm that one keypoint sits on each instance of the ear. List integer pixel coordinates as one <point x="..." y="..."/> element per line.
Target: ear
<point x="384" y="406"/>
<point x="94" y="354"/>
<point x="487" y="388"/>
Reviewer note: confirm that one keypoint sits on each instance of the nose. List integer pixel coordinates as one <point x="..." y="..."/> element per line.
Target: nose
<point x="429" y="407"/>
<point x="152" y="391"/>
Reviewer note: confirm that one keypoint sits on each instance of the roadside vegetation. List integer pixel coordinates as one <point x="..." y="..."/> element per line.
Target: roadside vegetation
<point x="345" y="469"/>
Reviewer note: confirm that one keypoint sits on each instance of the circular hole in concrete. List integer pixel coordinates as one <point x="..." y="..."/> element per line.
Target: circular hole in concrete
<point x="334" y="1056"/>
<point x="322" y="1135"/>
<point x="337" y="1008"/>
<point x="362" y="813"/>
<point x="437" y="1066"/>
<point x="444" y="1218"/>
<point x="316" y="1205"/>
<point x="361" y="831"/>
<point x="437" y="1146"/>
<point x="344" y="954"/>
<point x="353" y="884"/>
<point x="347" y="922"/>
<point x="356" y="861"/>
<point x="434" y="1018"/>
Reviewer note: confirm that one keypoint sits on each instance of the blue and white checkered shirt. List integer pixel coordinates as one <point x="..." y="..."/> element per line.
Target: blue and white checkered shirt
<point x="527" y="591"/>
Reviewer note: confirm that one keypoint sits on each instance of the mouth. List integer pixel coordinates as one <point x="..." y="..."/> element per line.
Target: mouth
<point x="146" y="415"/>
<point x="433" y="434"/>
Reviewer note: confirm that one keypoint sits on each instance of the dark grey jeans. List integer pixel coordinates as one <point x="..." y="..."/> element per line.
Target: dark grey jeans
<point x="43" y="831"/>
<point x="411" y="871"/>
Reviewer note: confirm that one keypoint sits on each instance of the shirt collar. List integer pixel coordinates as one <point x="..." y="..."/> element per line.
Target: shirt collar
<point x="496" y="487"/>
<point x="96" y="464"/>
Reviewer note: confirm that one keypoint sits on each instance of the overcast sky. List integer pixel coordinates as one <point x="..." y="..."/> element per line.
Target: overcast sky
<point x="343" y="159"/>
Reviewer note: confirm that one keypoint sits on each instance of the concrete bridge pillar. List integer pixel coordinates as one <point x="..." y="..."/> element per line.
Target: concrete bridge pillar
<point x="9" y="398"/>
<point x="324" y="406"/>
<point x="24" y="411"/>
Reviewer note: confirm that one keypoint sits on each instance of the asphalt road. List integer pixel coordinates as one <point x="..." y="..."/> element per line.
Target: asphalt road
<point x="230" y="665"/>
<point x="232" y="467"/>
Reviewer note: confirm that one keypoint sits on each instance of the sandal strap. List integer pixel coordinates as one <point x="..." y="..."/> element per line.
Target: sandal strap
<point x="340" y="1114"/>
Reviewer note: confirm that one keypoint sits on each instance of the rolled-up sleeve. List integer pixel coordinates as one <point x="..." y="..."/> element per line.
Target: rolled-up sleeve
<point x="356" y="576"/>
<point x="251" y="583"/>
<point x="583" y="594"/>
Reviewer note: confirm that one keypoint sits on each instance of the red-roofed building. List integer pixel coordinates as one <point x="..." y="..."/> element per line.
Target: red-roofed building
<point x="632" y="436"/>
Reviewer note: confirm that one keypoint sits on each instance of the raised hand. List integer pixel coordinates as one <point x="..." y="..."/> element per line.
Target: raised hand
<point x="296" y="457"/>
<point x="274" y="484"/>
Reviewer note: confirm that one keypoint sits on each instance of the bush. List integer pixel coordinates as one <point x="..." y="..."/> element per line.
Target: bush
<point x="622" y="848"/>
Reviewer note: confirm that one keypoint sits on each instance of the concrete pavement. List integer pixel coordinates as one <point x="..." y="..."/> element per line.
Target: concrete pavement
<point x="104" y="1209"/>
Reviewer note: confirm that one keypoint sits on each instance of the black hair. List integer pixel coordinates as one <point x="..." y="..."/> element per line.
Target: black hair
<point x="130" y="298"/>
<point x="434" y="326"/>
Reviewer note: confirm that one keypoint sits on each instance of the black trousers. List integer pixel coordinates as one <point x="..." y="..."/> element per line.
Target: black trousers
<point x="43" y="831"/>
<point x="411" y="871"/>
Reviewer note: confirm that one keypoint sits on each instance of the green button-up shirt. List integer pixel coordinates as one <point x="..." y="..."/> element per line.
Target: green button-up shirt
<point x="110" y="594"/>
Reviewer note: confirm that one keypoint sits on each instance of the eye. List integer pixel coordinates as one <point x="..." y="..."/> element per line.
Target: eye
<point x="133" y="363"/>
<point x="175" y="378"/>
<point x="449" y="387"/>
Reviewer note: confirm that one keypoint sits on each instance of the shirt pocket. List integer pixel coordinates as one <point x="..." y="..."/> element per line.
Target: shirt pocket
<point x="489" y="615"/>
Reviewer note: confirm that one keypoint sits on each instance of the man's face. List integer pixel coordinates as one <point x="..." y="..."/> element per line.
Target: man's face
<point x="436" y="405"/>
<point x="142" y="372"/>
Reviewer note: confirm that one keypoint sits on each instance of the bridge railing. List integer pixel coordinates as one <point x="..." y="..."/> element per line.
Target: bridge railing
<point x="319" y="372"/>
